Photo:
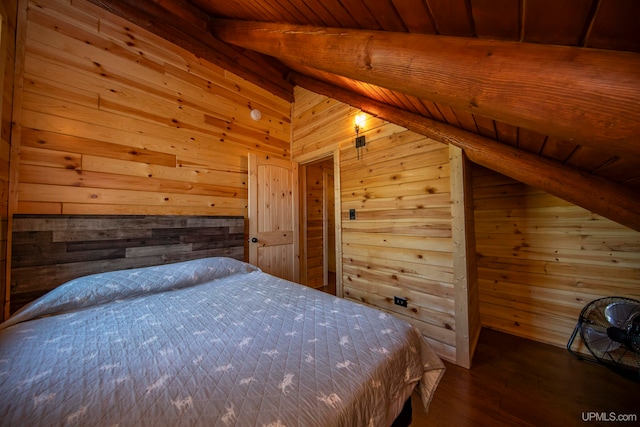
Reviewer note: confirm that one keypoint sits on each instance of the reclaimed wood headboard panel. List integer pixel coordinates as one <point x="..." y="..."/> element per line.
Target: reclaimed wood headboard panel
<point x="49" y="250"/>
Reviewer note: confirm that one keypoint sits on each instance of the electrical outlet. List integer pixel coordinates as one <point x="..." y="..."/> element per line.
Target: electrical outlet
<point x="352" y="214"/>
<point x="402" y="302"/>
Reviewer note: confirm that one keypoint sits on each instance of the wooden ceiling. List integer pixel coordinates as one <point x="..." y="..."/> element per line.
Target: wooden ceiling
<point x="605" y="151"/>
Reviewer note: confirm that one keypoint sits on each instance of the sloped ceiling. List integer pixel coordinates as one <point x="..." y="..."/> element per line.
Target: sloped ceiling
<point x="559" y="96"/>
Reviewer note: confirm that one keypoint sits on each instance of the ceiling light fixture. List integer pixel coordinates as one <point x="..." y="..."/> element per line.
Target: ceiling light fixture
<point x="256" y="114"/>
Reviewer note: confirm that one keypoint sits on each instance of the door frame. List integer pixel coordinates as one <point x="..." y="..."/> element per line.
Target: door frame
<point x="337" y="205"/>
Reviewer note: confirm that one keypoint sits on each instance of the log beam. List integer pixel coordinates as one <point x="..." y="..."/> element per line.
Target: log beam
<point x="598" y="195"/>
<point x="585" y="96"/>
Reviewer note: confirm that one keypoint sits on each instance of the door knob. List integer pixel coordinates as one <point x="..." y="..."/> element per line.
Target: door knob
<point x="254" y="240"/>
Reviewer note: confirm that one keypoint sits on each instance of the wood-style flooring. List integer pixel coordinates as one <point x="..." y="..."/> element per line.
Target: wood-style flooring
<point x="518" y="382"/>
<point x="331" y="285"/>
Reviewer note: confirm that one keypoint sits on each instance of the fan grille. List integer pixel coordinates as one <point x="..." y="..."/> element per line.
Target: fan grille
<point x="602" y="318"/>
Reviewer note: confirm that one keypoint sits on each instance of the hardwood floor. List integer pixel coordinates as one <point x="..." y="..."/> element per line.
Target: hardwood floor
<point x="331" y="286"/>
<point x="518" y="382"/>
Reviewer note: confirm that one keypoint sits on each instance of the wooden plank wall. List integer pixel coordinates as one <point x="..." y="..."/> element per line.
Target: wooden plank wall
<point x="400" y="243"/>
<point x="316" y="192"/>
<point x="314" y="252"/>
<point x="49" y="250"/>
<point x="541" y="259"/>
<point x="465" y="269"/>
<point x="329" y="207"/>
<point x="8" y="12"/>
<point x="118" y="121"/>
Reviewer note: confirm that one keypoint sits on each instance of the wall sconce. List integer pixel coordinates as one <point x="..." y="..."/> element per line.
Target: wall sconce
<point x="360" y="140"/>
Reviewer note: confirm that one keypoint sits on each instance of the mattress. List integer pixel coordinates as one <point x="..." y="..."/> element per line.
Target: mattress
<point x="213" y="341"/>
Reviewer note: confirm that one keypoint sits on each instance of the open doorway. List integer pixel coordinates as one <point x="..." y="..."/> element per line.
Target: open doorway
<point x="318" y="234"/>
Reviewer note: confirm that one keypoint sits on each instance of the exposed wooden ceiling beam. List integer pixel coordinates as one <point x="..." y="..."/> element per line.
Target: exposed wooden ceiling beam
<point x="585" y="96"/>
<point x="189" y="31"/>
<point x="603" y="197"/>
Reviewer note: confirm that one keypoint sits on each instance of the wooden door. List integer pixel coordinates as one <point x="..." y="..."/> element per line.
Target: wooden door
<point x="273" y="216"/>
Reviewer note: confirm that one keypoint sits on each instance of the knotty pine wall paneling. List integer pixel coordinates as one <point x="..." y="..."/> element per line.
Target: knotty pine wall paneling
<point x="315" y="229"/>
<point x="538" y="260"/>
<point x="8" y="15"/>
<point x="318" y="240"/>
<point x="467" y="309"/>
<point x="542" y="259"/>
<point x="112" y="120"/>
<point x="116" y="120"/>
<point x="401" y="241"/>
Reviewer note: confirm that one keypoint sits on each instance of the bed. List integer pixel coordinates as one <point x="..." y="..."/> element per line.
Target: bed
<point x="213" y="341"/>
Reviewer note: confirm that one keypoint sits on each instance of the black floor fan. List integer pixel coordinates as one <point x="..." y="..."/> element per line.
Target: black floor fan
<point x="610" y="329"/>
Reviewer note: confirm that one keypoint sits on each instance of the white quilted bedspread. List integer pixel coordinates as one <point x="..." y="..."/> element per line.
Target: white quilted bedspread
<point x="207" y="342"/>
